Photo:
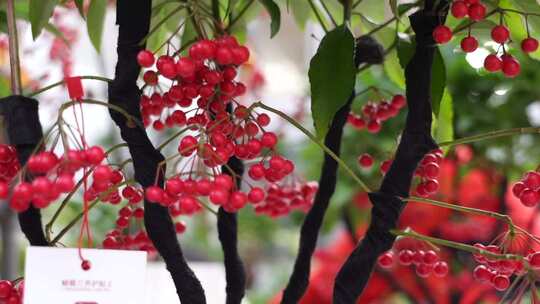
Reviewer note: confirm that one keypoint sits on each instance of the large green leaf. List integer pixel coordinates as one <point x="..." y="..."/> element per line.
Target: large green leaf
<point x="393" y="69"/>
<point x="95" y="21"/>
<point x="80" y="6"/>
<point x="438" y="71"/>
<point x="332" y="76"/>
<point x="444" y="122"/>
<point x="39" y="13"/>
<point x="275" y="15"/>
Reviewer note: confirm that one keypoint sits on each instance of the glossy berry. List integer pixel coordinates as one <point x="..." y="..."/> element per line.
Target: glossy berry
<point x="4" y="190"/>
<point x="442" y="34"/>
<point x="154" y="194"/>
<point x="500" y="282"/>
<point x="405" y="257"/>
<point x="459" y="9"/>
<point x="482" y="273"/>
<point x="469" y="44"/>
<point x="534" y="260"/>
<point x="492" y="63"/>
<point x="86" y="265"/>
<point x="145" y="58"/>
<point x="386" y="260"/>
<point x="365" y="160"/>
<point x="185" y="67"/>
<point x="510" y="66"/>
<point x="440" y="269"/>
<point x="5" y="289"/>
<point x="95" y="155"/>
<point x="529" y="45"/>
<point x="500" y="34"/>
<point x="529" y="197"/>
<point x="477" y="11"/>
<point x="256" y="195"/>
<point x="518" y="188"/>
<point x="531" y="180"/>
<point x="180" y="227"/>
<point x="430" y="257"/>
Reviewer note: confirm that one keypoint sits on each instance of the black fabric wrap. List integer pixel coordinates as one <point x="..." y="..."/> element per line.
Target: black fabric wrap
<point x="133" y="18"/>
<point x="370" y="52"/>
<point x="228" y="236"/>
<point x="24" y="133"/>
<point x="415" y="142"/>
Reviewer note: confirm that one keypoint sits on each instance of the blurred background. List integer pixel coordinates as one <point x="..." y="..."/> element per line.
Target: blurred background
<point x="477" y="175"/>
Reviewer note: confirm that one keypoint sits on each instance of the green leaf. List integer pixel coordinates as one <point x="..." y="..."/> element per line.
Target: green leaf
<point x="80" y="7"/>
<point x="332" y="77"/>
<point x="275" y="15"/>
<point x="40" y="11"/>
<point x="394" y="70"/>
<point x="301" y="12"/>
<point x="406" y="50"/>
<point x="394" y="7"/>
<point x="444" y="122"/>
<point x="96" y="19"/>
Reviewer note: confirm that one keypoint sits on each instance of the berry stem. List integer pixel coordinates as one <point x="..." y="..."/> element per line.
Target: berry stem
<point x="156" y="27"/>
<point x="491" y="135"/>
<point x="61" y="82"/>
<point x="318" y="15"/>
<point x="459" y="246"/>
<point x="14" y="61"/>
<point x="235" y="19"/>
<point x="327" y="11"/>
<point x="315" y="140"/>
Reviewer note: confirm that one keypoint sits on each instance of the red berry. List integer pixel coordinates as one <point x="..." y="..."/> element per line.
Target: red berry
<point x="430" y="257"/>
<point x="256" y="195"/>
<point x="532" y="180"/>
<point x="386" y="260"/>
<point x="440" y="269"/>
<point x="102" y="174"/>
<point x="500" y="34"/>
<point x="180" y="227"/>
<point x="4" y="190"/>
<point x="224" y="56"/>
<point x="482" y="273"/>
<point x="185" y="67"/>
<point x="469" y="44"/>
<point x="500" y="282"/>
<point x="529" y="197"/>
<point x="145" y="58"/>
<point x="431" y="186"/>
<point x="399" y="101"/>
<point x="365" y="160"/>
<point x="86" y="265"/>
<point x="240" y="55"/>
<point x="218" y="196"/>
<point x="529" y="45"/>
<point x="459" y="9"/>
<point x="492" y="63"/>
<point x="518" y="188"/>
<point x="122" y="222"/>
<point x="188" y="145"/>
<point x="154" y="194"/>
<point x="5" y="289"/>
<point x="374" y="126"/>
<point x="269" y="139"/>
<point x="385" y="166"/>
<point x="238" y="199"/>
<point x="477" y="11"/>
<point x="405" y="257"/>
<point x="424" y="270"/>
<point x="95" y="155"/>
<point x="150" y="78"/>
<point x="442" y="34"/>
<point x="510" y="66"/>
<point x="534" y="260"/>
<point x="431" y="170"/>
<point x="256" y="171"/>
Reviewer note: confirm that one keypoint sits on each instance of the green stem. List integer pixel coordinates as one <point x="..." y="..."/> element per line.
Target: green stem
<point x="356" y="4"/>
<point x="240" y="14"/>
<point x="316" y="12"/>
<point x="327" y="11"/>
<point x="491" y="135"/>
<point x="315" y="140"/>
<point x="170" y="139"/>
<point x="459" y="246"/>
<point x="14" y="60"/>
<point x="347" y="10"/>
<point x="161" y="22"/>
<point x="41" y="90"/>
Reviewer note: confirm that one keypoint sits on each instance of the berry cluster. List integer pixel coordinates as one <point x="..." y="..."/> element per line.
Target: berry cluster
<point x="11" y="292"/>
<point x="116" y="239"/>
<point x="428" y="172"/>
<point x="205" y="81"/>
<point x="425" y="262"/>
<point x="528" y="189"/>
<point x="498" y="272"/>
<point x="9" y="167"/>
<point x="373" y="114"/>
<point x="500" y="34"/>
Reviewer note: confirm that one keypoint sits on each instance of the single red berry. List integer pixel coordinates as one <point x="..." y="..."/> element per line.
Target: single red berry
<point x="430" y="257"/>
<point x="459" y="9"/>
<point x="122" y="222"/>
<point x="532" y="180"/>
<point x="405" y="257"/>
<point x="365" y="160"/>
<point x="529" y="45"/>
<point x="154" y="194"/>
<point x="482" y="273"/>
<point x="150" y="78"/>
<point x="180" y="227"/>
<point x="269" y="140"/>
<point x="86" y="265"/>
<point x="95" y="155"/>
<point x="431" y="170"/>
<point x="4" y="190"/>
<point x="477" y="11"/>
<point x="469" y="44"/>
<point x="510" y="66"/>
<point x="185" y="67"/>
<point x="431" y="186"/>
<point x="440" y="269"/>
<point x="219" y="196"/>
<point x="238" y="199"/>
<point x="500" y="34"/>
<point x="5" y="289"/>
<point x="534" y="260"/>
<point x="145" y="58"/>
<point x="500" y="282"/>
<point x="424" y="270"/>
<point x="386" y="260"/>
<point x="102" y="174"/>
<point x="492" y="63"/>
<point x="518" y="188"/>
<point x="399" y="101"/>
<point x="442" y="34"/>
<point x="240" y="55"/>
<point x="529" y="197"/>
<point x="224" y="56"/>
<point x="256" y="195"/>
<point x="373" y="126"/>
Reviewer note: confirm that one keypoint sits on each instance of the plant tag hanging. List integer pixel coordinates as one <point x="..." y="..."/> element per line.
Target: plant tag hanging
<point x="55" y="276"/>
<point x="75" y="88"/>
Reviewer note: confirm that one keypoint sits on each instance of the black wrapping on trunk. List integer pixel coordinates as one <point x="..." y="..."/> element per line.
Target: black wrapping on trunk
<point x="133" y="18"/>
<point x="24" y="133"/>
<point x="228" y="236"/>
<point x="415" y="142"/>
<point x="367" y="51"/>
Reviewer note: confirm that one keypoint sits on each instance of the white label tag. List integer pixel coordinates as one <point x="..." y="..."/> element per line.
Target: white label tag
<point x="55" y="276"/>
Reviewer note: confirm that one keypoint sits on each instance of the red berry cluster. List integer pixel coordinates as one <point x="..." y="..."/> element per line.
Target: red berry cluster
<point x="425" y="262"/>
<point x="9" y="167"/>
<point x="206" y="76"/>
<point x="205" y="80"/>
<point x="498" y="272"/>
<point x="11" y="292"/>
<point x="428" y="172"/>
<point x="281" y="199"/>
<point x="116" y="239"/>
<point x="528" y="189"/>
<point x="373" y="114"/>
